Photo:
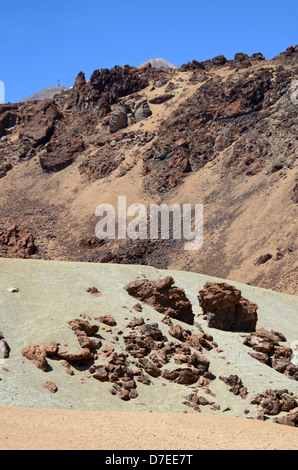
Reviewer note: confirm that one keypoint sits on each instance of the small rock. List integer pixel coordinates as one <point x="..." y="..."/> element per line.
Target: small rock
<point x="13" y="289"/>
<point x="51" y="386"/>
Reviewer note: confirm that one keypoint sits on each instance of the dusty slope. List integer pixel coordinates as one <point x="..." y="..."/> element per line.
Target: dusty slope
<point x="32" y="429"/>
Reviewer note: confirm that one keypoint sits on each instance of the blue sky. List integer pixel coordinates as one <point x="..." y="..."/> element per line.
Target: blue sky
<point x="44" y="41"/>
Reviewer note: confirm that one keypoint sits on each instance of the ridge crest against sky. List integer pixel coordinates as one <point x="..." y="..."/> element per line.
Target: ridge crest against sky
<point x="42" y="42"/>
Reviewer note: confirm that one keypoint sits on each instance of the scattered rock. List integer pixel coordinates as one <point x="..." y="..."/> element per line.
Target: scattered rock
<point x="237" y="387"/>
<point x="274" y="402"/>
<point x="107" y="320"/>
<point x="266" y="349"/>
<point x="13" y="289"/>
<point x="138" y="307"/>
<point x="291" y="419"/>
<point x="263" y="259"/>
<point x="94" y="291"/>
<point x="51" y="386"/>
<point x="4" y="348"/>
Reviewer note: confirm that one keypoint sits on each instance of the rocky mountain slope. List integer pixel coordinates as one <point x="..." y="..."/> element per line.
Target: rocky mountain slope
<point x="222" y="133"/>
<point x="46" y="93"/>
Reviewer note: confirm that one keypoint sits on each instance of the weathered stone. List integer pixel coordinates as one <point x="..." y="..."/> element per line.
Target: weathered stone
<point x="38" y="353"/>
<point x="226" y="309"/>
<point x="164" y="297"/>
<point x="142" y="111"/>
<point x="101" y="374"/>
<point x="108" y="320"/>
<point x="118" y="119"/>
<point x="4" y="349"/>
<point x="17" y="243"/>
<point x="237" y="387"/>
<point x="51" y="386"/>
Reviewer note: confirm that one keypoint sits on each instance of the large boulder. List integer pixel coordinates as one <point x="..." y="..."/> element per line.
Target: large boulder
<point x="226" y="309"/>
<point x="118" y="119"/>
<point x="142" y="111"/>
<point x="164" y="296"/>
<point x="38" y="353"/>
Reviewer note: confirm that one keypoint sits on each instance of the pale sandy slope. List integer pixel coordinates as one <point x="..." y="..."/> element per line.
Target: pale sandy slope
<point x="32" y="429"/>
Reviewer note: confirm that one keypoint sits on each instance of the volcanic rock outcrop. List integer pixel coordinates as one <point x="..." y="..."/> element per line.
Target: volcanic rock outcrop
<point x="226" y="309"/>
<point x="17" y="243"/>
<point x="164" y="296"/>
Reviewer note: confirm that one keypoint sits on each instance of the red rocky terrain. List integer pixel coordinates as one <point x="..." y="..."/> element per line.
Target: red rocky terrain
<point x="142" y="353"/>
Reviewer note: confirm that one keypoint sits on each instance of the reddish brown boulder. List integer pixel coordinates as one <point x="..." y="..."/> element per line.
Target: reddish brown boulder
<point x="17" y="243"/>
<point x="51" y="386"/>
<point x="107" y="320"/>
<point x="291" y="419"/>
<point x="38" y="353"/>
<point x="274" y="402"/>
<point x="101" y="374"/>
<point x="266" y="349"/>
<point x="187" y="376"/>
<point x="178" y="332"/>
<point x="124" y="394"/>
<point x="150" y="368"/>
<point x="237" y="387"/>
<point x="226" y="309"/>
<point x="164" y="296"/>
<point x="84" y="355"/>
<point x="170" y="374"/>
<point x="83" y="329"/>
<point x="152" y="330"/>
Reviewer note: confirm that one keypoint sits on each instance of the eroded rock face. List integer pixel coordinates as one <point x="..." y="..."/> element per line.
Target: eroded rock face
<point x="142" y="111"/>
<point x="115" y="83"/>
<point x="17" y="243"/>
<point x="164" y="297"/>
<point x="118" y="119"/>
<point x="41" y="127"/>
<point x="226" y="309"/>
